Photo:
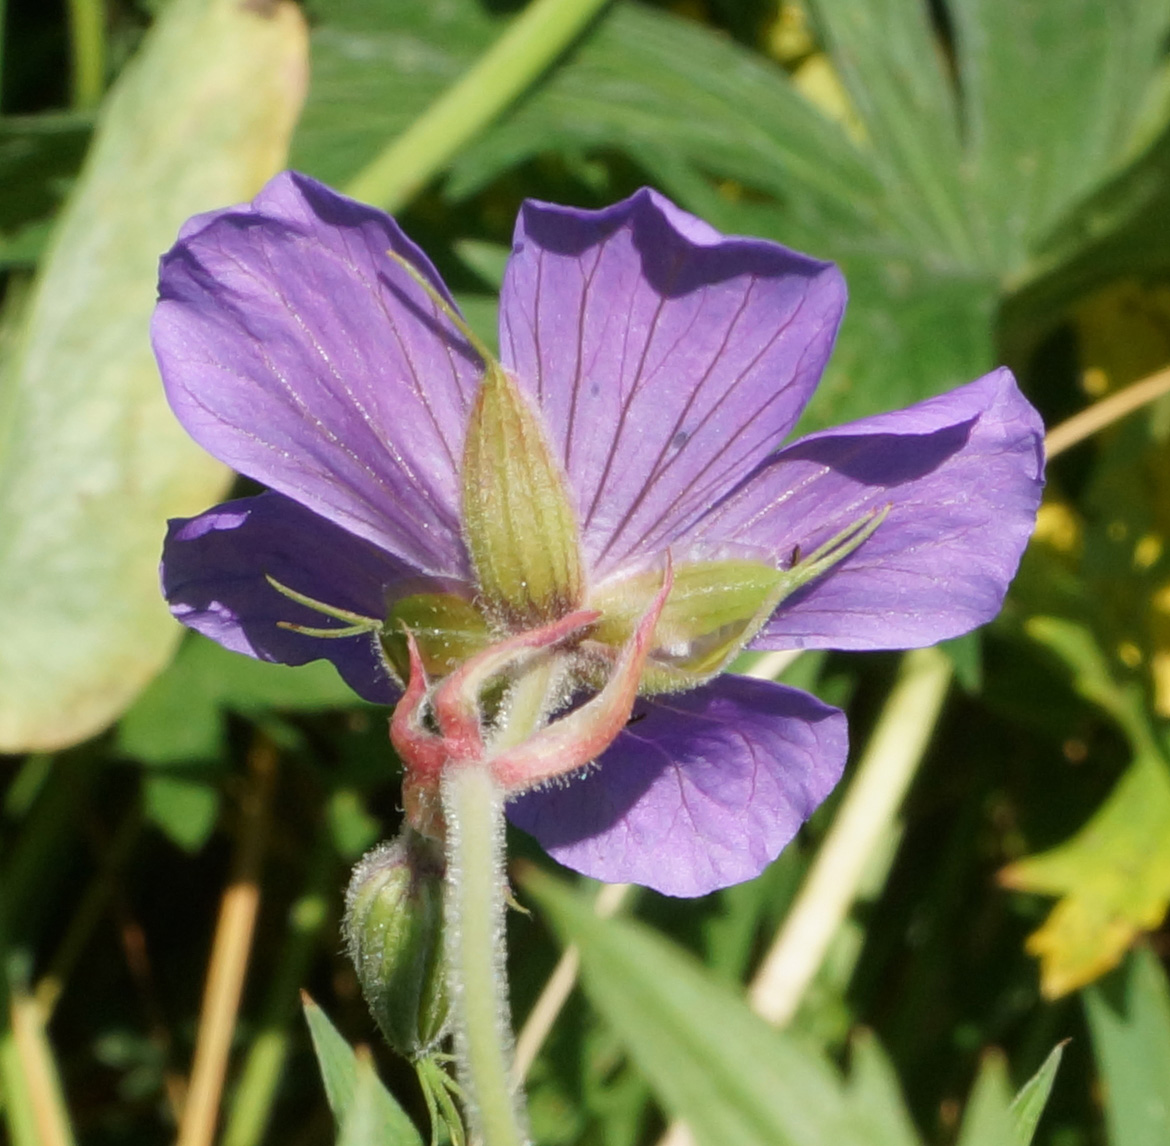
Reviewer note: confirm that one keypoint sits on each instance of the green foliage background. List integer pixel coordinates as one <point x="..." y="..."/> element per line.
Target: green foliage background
<point x="994" y="178"/>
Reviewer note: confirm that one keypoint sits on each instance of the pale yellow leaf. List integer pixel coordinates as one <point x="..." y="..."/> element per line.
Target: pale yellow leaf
<point x="91" y="460"/>
<point x="1113" y="878"/>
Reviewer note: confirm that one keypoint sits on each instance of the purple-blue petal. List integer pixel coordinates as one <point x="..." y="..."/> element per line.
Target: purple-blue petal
<point x="668" y="359"/>
<point x="962" y="474"/>
<point x="294" y="349"/>
<point x="214" y="571"/>
<point x="702" y="791"/>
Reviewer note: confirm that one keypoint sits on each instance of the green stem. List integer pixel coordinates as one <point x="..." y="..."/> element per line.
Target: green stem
<point x="87" y="37"/>
<point x="531" y="43"/>
<point x="474" y="808"/>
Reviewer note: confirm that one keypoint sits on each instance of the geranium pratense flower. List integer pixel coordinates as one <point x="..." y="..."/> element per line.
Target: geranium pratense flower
<point x="608" y="510"/>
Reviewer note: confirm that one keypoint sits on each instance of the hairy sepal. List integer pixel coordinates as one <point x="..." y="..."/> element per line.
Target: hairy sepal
<point x="519" y="523"/>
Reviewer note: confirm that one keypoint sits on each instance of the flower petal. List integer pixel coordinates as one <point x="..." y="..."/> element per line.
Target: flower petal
<point x="668" y="359"/>
<point x="294" y="349"/>
<point x="701" y="792"/>
<point x="962" y="474"/>
<point x="214" y="577"/>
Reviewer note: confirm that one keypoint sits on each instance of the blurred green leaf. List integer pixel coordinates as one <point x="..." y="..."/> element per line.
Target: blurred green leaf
<point x="184" y="808"/>
<point x="1117" y="230"/>
<point x="1029" y="1103"/>
<point x="966" y="655"/>
<point x="988" y="1119"/>
<point x="891" y="62"/>
<point x="1113" y="878"/>
<point x="731" y="1077"/>
<point x="376" y="67"/>
<point x="1052" y="96"/>
<point x="876" y="1095"/>
<point x="351" y="826"/>
<point x="360" y="1125"/>
<point x="1129" y="1017"/>
<point x="179" y="717"/>
<point x="39" y="158"/>
<point x="481" y="312"/>
<point x="488" y="260"/>
<point x="91" y="460"/>
<point x="658" y="86"/>
<point x="359" y="1101"/>
<point x="727" y="134"/>
<point x="1092" y="677"/>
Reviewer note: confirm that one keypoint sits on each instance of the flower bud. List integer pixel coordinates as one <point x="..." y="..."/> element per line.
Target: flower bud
<point x="394" y="933"/>
<point x="448" y="629"/>
<point x="519" y="523"/>
<point x="714" y="608"/>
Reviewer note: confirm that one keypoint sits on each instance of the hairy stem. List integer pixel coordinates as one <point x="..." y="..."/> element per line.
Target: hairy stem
<point x="473" y="805"/>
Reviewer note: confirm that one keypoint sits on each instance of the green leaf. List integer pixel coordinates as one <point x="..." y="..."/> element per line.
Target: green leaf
<point x="359" y="1101"/>
<point x="1113" y="878"/>
<point x="1052" y="94"/>
<point x="376" y="67"/>
<point x="891" y="63"/>
<point x="1076" y="646"/>
<point x="39" y="155"/>
<point x="1115" y="231"/>
<point x="657" y="85"/>
<point x="91" y="460"/>
<point x="488" y="260"/>
<point x="185" y="808"/>
<point x="179" y="718"/>
<point x="1129" y="1018"/>
<point x="731" y="1077"/>
<point x="876" y="1095"/>
<point x="988" y="1119"/>
<point x="360" y="1126"/>
<point x="911" y="331"/>
<point x="697" y="111"/>
<point x="966" y="655"/>
<point x="351" y="826"/>
<point x="1029" y="1103"/>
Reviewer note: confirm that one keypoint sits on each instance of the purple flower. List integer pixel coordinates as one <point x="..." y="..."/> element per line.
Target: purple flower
<point x="662" y="366"/>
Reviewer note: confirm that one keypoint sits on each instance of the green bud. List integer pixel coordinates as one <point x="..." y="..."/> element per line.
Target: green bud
<point x="520" y="526"/>
<point x="447" y="629"/>
<point x="714" y="608"/>
<point x="394" y="933"/>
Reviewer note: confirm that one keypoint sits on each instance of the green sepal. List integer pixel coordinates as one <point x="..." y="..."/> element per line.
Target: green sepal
<point x="447" y="628"/>
<point x="713" y="609"/>
<point x="394" y="934"/>
<point x="519" y="524"/>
